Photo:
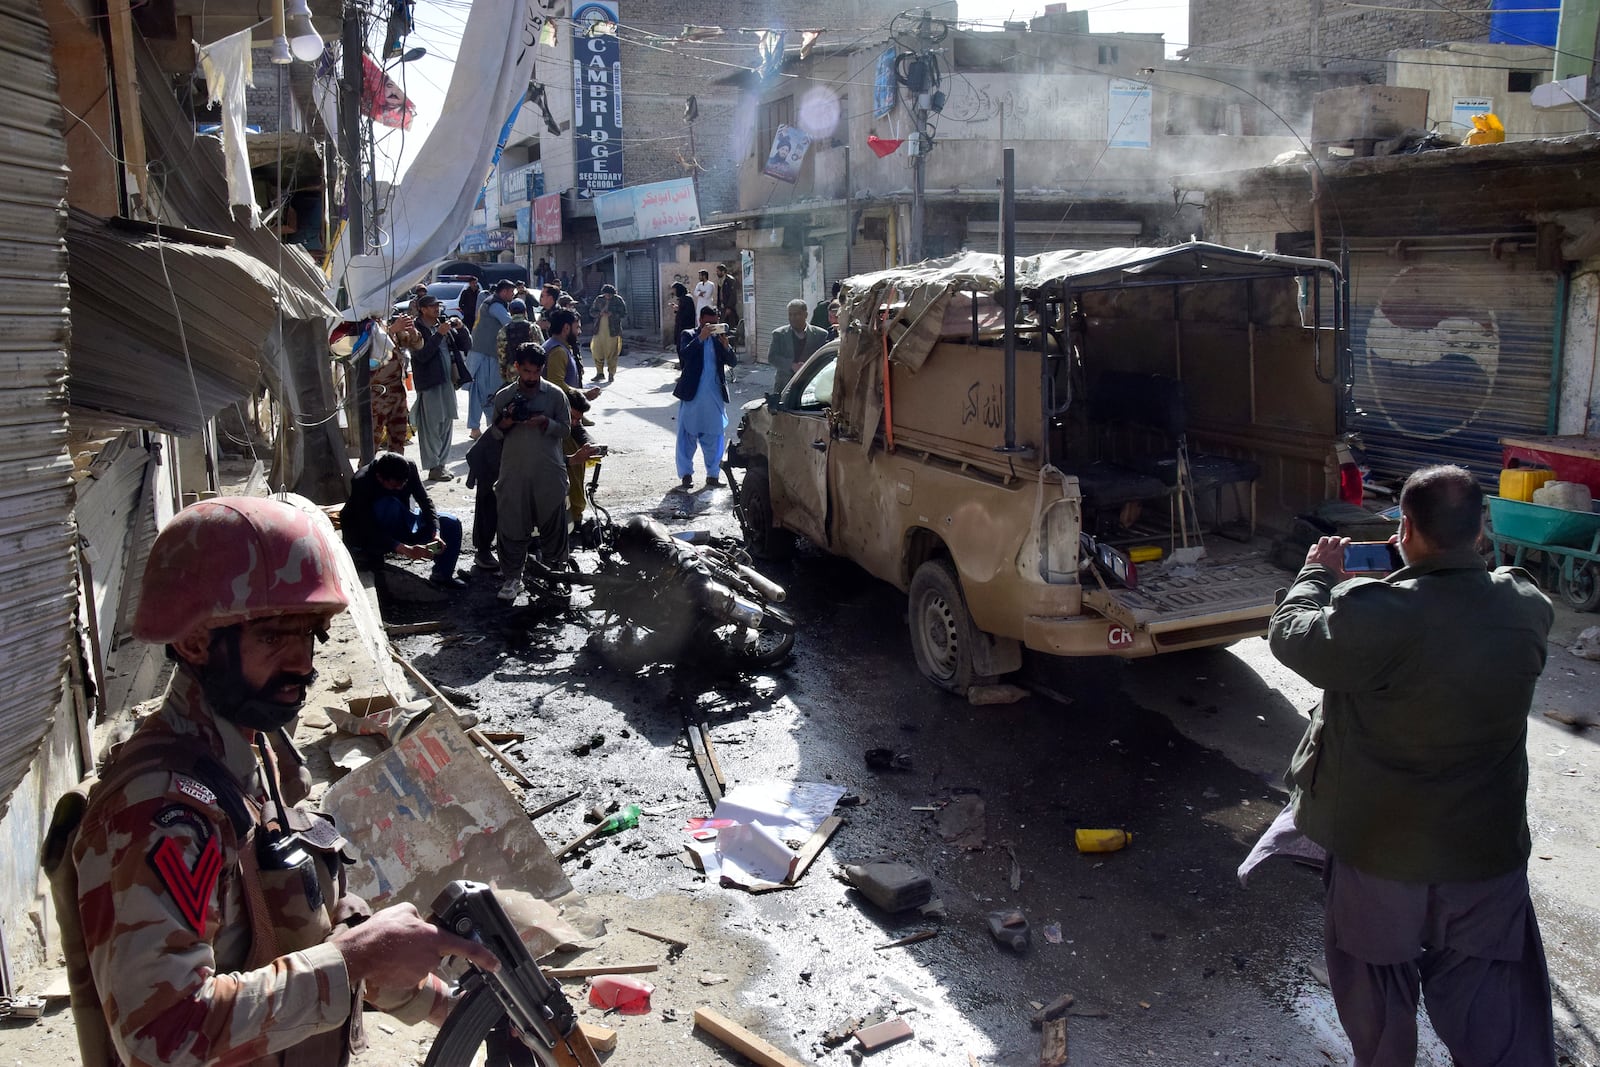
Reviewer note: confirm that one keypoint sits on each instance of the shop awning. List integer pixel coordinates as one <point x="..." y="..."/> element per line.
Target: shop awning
<point x="130" y="292"/>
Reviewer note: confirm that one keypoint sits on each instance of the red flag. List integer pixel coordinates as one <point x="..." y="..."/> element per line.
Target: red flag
<point x="382" y="100"/>
<point x="883" y="146"/>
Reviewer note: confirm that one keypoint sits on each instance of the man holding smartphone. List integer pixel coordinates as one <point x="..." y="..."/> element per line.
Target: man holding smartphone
<point x="1413" y="775"/>
<point x="702" y="392"/>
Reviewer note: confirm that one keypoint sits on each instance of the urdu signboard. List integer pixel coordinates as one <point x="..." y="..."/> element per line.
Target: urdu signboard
<point x="547" y="219"/>
<point x="640" y="212"/>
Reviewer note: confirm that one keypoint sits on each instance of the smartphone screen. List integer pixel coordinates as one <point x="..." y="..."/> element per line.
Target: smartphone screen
<point x="1371" y="557"/>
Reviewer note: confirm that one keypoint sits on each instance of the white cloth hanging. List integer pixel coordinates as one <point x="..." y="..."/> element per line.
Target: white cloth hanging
<point x="434" y="198"/>
<point x="226" y="64"/>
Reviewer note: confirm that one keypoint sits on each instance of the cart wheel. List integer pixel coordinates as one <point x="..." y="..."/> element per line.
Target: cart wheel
<point x="1582" y="590"/>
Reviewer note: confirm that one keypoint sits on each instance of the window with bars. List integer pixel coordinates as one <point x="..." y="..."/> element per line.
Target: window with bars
<point x="774" y="113"/>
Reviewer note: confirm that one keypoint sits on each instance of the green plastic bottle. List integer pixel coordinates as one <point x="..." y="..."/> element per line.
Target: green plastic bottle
<point x="615" y="823"/>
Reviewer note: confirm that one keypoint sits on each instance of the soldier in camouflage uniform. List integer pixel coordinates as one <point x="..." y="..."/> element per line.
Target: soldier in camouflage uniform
<point x="212" y="914"/>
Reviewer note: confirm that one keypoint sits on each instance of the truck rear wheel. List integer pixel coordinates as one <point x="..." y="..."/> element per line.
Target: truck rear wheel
<point x="764" y="540"/>
<point x="942" y="631"/>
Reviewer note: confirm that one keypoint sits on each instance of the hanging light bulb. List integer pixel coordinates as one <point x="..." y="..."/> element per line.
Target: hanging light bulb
<point x="305" y="41"/>
<point x="280" y="39"/>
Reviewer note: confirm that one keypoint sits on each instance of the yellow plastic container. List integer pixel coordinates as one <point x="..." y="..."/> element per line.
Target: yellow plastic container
<point x="1102" y="840"/>
<point x="1145" y="553"/>
<point x="1518" y="483"/>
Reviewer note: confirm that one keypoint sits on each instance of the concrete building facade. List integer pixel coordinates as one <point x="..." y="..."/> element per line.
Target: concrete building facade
<point x="657" y="66"/>
<point x="1098" y="124"/>
<point x="1323" y="35"/>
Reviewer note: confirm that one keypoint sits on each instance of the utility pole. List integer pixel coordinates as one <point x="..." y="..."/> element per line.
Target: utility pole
<point x="921" y="79"/>
<point x="849" y="215"/>
<point x="354" y="48"/>
<point x="921" y="142"/>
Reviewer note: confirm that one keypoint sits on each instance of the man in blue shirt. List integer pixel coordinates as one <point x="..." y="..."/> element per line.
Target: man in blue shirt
<point x="702" y="392"/>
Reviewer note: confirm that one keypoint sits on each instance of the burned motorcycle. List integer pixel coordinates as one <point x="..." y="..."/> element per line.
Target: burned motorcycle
<point x="663" y="600"/>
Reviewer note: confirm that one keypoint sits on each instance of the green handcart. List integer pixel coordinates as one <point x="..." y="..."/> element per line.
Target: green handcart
<point x="1568" y="540"/>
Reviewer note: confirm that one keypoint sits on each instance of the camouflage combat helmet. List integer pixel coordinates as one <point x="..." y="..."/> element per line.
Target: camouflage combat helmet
<point x="232" y="559"/>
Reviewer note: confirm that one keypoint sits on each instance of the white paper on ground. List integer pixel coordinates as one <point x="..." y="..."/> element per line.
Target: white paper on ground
<point x="751" y="855"/>
<point x="789" y="809"/>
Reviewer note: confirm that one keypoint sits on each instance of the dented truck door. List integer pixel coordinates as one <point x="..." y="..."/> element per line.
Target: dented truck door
<point x="799" y="439"/>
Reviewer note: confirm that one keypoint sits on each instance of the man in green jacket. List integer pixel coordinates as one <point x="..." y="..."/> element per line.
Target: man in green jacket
<point x="1414" y="776"/>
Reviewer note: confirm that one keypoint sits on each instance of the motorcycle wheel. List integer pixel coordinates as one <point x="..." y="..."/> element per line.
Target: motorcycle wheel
<point x="478" y="1033"/>
<point x="772" y="644"/>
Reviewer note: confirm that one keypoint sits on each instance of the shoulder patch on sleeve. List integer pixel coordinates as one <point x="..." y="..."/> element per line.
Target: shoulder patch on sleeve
<point x="191" y="787"/>
<point x="183" y="815"/>
<point x="191" y="886"/>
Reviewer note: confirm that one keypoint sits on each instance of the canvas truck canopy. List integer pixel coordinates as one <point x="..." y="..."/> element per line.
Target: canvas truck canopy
<point x="954" y="298"/>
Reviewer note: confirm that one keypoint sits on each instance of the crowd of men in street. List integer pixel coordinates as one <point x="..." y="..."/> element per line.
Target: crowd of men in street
<point x="523" y="374"/>
<point x="518" y="354"/>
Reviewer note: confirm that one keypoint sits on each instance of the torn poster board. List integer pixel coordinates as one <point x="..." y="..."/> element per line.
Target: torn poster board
<point x="431" y="810"/>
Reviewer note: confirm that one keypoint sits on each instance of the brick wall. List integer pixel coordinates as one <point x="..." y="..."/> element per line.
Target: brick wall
<point x="261" y="99"/>
<point x="1325" y="34"/>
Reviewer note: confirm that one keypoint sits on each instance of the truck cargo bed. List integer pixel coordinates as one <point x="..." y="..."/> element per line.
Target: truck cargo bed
<point x="1233" y="581"/>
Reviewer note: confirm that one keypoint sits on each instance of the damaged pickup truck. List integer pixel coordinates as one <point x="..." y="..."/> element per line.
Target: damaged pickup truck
<point x="1105" y="478"/>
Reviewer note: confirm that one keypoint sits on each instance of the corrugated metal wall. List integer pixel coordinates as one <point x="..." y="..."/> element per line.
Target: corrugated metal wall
<point x="36" y="560"/>
<point x="639" y="289"/>
<point x="1452" y="350"/>
<point x="777" y="283"/>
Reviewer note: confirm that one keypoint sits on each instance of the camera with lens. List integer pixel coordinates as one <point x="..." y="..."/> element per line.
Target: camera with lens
<point x="519" y="409"/>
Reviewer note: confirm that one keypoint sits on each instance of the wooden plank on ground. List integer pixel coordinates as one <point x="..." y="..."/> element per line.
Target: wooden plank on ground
<point x="711" y="754"/>
<point x="601" y="1038"/>
<point x="671" y="942"/>
<point x="546" y="809"/>
<point x="474" y="733"/>
<point x="814" y="845"/>
<point x="1053" y="1043"/>
<point x="742" y="1041"/>
<point x="702" y="763"/>
<point x="602" y="968"/>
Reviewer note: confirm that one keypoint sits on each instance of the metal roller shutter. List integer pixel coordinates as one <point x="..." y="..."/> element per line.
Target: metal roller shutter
<point x="833" y="257"/>
<point x="644" y="307"/>
<point x="867" y="257"/>
<point x="983" y="235"/>
<point x="1452" y="350"/>
<point x="777" y="283"/>
<point x="36" y="532"/>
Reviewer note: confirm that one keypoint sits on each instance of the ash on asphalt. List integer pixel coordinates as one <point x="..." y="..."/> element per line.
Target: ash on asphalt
<point x="1185" y="966"/>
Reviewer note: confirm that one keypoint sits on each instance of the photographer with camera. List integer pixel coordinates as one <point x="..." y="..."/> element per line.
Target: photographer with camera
<point x="434" y="413"/>
<point x="531" y="419"/>
<point x="702" y="392"/>
<point x="1413" y="776"/>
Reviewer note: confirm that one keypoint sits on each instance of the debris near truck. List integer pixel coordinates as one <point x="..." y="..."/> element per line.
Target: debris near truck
<point x="1106" y="477"/>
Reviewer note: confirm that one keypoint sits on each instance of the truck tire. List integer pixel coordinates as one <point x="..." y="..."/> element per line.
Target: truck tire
<point x="942" y="631"/>
<point x="764" y="540"/>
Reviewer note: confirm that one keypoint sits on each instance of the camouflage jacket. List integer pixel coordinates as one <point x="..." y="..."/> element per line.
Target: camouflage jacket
<point x="168" y="928"/>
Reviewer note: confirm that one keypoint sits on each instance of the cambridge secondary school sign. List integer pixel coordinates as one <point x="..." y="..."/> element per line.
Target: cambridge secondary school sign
<point x="597" y="97"/>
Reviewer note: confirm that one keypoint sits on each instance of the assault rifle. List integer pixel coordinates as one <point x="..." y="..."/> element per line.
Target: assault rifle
<point x="534" y="1004"/>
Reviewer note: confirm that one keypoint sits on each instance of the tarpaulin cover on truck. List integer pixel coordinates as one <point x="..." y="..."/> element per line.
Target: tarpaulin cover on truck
<point x="931" y="301"/>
